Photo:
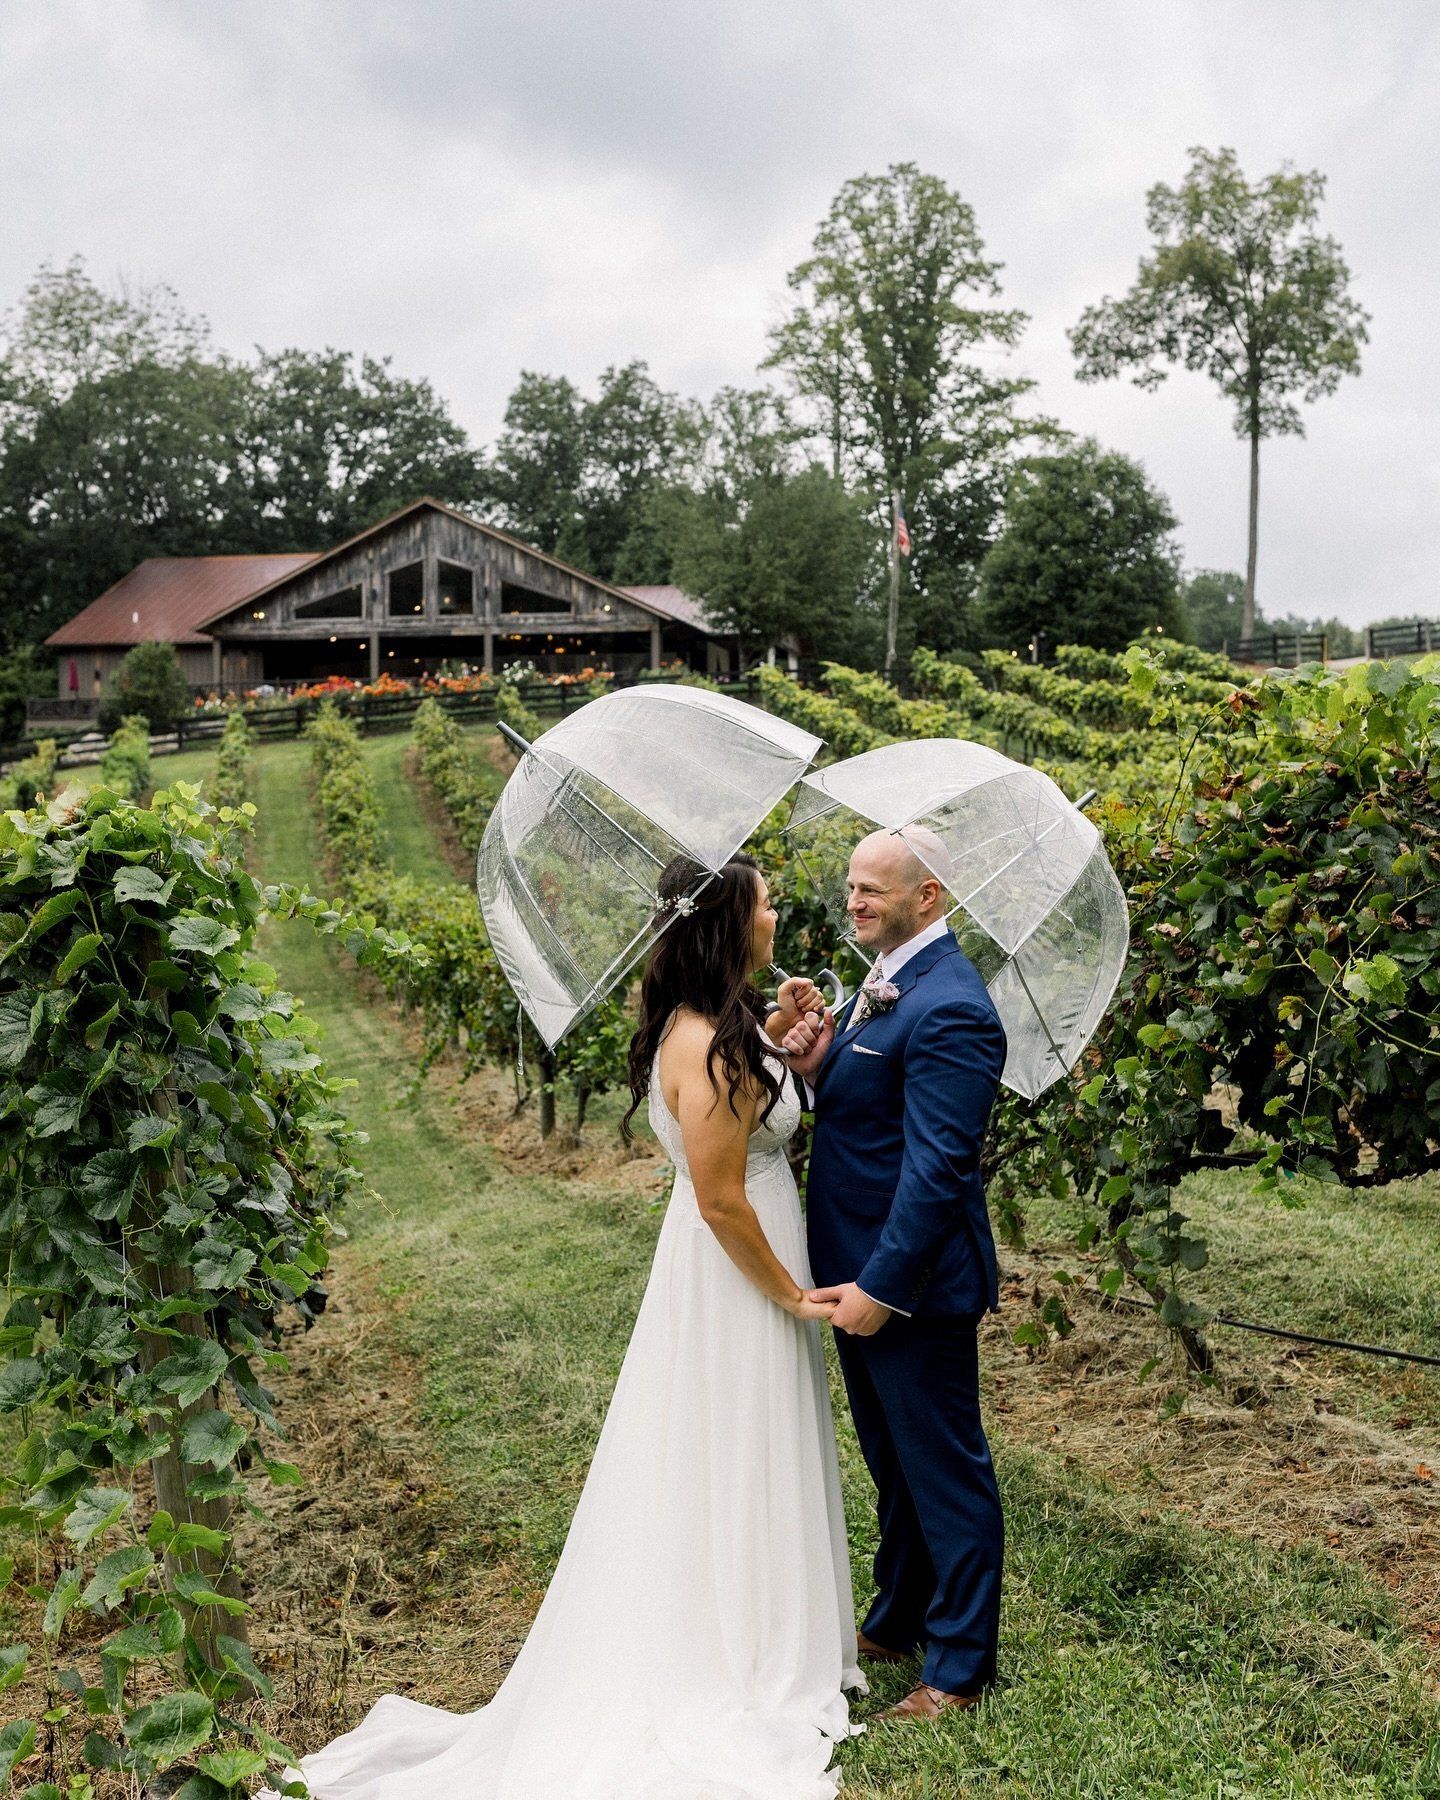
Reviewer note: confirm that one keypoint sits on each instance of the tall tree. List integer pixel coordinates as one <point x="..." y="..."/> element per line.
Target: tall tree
<point x="1241" y="287"/>
<point x="116" y="419"/>
<point x="786" y="559"/>
<point x="631" y="434"/>
<point x="327" y="443"/>
<point x="578" y="477"/>
<point x="1087" y="555"/>
<point x="890" y="308"/>
<point x="1215" y="608"/>
<point x="532" y="481"/>
<point x="125" y="434"/>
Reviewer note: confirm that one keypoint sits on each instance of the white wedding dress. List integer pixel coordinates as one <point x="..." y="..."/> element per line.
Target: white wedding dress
<point x="699" y="1628"/>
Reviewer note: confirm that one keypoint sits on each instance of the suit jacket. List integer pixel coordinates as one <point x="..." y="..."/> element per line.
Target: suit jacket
<point x="894" y="1198"/>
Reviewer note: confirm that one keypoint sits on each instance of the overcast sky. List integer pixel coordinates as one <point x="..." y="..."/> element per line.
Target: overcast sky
<point x="476" y="187"/>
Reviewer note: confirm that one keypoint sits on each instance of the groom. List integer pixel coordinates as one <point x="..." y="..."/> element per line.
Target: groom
<point x="903" y="1081"/>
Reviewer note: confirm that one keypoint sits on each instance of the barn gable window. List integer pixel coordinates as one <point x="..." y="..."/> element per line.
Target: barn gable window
<point x="457" y="590"/>
<point x="516" y="599"/>
<point x="348" y="603"/>
<point x="407" y="591"/>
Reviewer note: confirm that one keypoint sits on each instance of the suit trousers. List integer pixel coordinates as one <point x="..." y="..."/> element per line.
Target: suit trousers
<point x="914" y="1392"/>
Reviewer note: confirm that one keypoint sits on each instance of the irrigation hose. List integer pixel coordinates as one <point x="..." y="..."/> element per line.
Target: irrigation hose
<point x="1297" y="1337"/>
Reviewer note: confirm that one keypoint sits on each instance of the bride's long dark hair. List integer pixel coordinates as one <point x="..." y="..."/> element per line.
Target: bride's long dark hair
<point x="702" y="960"/>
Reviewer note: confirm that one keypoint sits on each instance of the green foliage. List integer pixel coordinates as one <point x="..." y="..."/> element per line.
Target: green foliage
<point x="230" y="781"/>
<point x="449" y="763"/>
<point x="33" y="777"/>
<point x="1241" y="287"/>
<point x="148" y="681"/>
<point x="845" y="734"/>
<point x="354" y="830"/>
<point x="459" y="990"/>
<point x="124" y="434"/>
<point x="511" y="710"/>
<point x="1285" y="947"/>
<point x="173" y="1160"/>
<point x="1087" y="554"/>
<point x="577" y="477"/>
<point x="26" y="673"/>
<point x="882" y="341"/>
<point x="785" y="557"/>
<point x="1214" y="607"/>
<point x="125" y="766"/>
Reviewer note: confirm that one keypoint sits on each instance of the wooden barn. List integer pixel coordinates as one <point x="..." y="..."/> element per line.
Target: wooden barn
<point x="427" y="585"/>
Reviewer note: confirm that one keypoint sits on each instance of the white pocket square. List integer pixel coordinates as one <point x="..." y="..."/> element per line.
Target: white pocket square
<point x="865" y="1050"/>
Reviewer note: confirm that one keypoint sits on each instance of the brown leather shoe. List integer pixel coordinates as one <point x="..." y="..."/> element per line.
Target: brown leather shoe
<point x="927" y="1702"/>
<point x="873" y="1652"/>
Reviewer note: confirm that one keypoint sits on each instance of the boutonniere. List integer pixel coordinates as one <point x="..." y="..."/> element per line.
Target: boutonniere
<point x="879" y="996"/>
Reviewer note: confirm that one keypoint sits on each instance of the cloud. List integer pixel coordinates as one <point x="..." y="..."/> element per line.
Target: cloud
<point x="563" y="184"/>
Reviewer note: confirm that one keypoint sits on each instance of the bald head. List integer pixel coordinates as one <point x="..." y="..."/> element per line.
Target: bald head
<point x="890" y="893"/>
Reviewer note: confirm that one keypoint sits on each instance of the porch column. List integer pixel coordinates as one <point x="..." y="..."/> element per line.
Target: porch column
<point x="489" y="637"/>
<point x="655" y="645"/>
<point x="374" y="654"/>
<point x="216" y="674"/>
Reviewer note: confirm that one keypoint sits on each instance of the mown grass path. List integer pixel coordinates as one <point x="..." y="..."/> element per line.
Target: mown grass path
<point x="1141" y="1657"/>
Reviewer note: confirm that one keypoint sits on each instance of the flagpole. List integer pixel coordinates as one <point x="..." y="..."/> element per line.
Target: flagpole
<point x="892" y="622"/>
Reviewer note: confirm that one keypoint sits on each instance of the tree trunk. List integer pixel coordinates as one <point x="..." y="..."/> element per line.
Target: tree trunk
<point x="1247" y="617"/>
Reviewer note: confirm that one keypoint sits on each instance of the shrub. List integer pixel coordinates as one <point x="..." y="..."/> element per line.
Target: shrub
<point x="232" y="762"/>
<point x="125" y="766"/>
<point x="511" y="710"/>
<point x="33" y="777"/>
<point x="148" y="681"/>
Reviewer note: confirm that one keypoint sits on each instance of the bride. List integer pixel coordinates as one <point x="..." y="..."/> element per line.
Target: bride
<point x="699" y="1629"/>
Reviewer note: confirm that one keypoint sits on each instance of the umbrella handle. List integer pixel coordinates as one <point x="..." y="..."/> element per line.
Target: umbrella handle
<point x="837" y="987"/>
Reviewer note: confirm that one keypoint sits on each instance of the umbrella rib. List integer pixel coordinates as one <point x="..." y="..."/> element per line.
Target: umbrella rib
<point x="996" y="874"/>
<point x="560" y="801"/>
<point x="1050" y="1037"/>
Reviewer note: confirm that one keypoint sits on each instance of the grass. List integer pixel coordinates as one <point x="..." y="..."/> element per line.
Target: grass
<point x="1141" y="1656"/>
<point x="1357" y="1265"/>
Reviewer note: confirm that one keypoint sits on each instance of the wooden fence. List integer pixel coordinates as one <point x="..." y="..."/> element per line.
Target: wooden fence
<point x="373" y="714"/>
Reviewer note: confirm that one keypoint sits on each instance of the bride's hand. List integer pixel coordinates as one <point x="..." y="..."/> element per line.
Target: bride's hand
<point x="804" y="1307"/>
<point x="796" y="996"/>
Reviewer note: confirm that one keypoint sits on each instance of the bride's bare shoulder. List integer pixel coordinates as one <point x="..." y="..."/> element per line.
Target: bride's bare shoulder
<point x="688" y="1035"/>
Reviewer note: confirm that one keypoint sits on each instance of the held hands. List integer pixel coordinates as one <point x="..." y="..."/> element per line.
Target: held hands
<point x="808" y="1306"/>
<point x="851" y="1310"/>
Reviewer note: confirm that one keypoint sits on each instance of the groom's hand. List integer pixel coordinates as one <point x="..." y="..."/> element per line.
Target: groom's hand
<point x="807" y="1041"/>
<point x="855" y="1311"/>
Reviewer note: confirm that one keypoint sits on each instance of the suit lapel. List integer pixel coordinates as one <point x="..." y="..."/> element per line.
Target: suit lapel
<point x="919" y="965"/>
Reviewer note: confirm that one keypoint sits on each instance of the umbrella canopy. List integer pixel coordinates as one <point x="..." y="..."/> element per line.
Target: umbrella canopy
<point x="596" y="809"/>
<point x="1037" y="907"/>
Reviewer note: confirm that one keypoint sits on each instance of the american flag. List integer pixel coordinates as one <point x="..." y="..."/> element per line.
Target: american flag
<point x="902" y="530"/>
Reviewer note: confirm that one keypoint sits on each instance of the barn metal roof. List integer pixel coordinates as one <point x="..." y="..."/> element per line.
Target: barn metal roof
<point x="675" y="603"/>
<point x="168" y="598"/>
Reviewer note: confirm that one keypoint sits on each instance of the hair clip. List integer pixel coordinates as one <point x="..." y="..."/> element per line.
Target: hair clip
<point x="680" y="903"/>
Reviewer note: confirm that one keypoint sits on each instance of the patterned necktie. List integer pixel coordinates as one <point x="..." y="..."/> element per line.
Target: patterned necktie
<point x="867" y="988"/>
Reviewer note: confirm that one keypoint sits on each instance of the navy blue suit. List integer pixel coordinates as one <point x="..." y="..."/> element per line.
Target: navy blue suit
<point x="894" y="1201"/>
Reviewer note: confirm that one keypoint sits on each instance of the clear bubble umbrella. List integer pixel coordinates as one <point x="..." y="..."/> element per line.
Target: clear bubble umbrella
<point x="596" y="808"/>
<point x="1037" y="907"/>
